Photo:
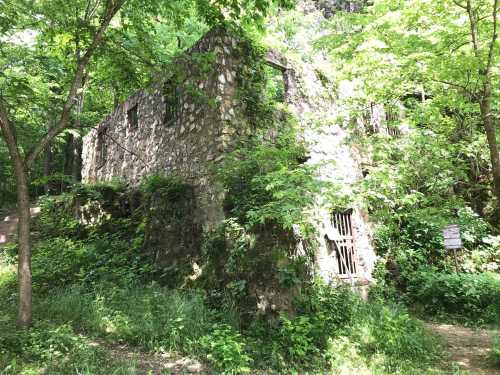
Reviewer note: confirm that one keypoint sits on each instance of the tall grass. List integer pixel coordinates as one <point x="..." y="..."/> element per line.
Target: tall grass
<point x="150" y="316"/>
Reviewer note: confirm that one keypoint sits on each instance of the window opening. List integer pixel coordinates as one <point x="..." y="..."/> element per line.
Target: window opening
<point x="344" y="245"/>
<point x="101" y="147"/>
<point x="275" y="84"/>
<point x="133" y="121"/>
<point x="391" y="119"/>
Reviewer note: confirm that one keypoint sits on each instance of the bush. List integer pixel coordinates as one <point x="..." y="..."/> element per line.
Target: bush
<point x="470" y="298"/>
<point x="60" y="262"/>
<point x="226" y="350"/>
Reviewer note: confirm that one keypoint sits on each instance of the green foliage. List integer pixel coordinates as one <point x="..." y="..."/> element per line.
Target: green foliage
<point x="267" y="183"/>
<point x="99" y="259"/>
<point x="389" y="331"/>
<point x="470" y="298"/>
<point x="57" y="218"/>
<point x="332" y="329"/>
<point x="226" y="350"/>
<point x="171" y="188"/>
<point x="335" y="330"/>
<point x="53" y="348"/>
<point x="147" y="315"/>
<point x="296" y="337"/>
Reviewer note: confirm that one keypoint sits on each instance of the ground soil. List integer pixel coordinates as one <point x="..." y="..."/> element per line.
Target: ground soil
<point x="468" y="348"/>
<point x="152" y="363"/>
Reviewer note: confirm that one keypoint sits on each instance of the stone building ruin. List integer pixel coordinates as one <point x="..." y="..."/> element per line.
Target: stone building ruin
<point x="184" y="126"/>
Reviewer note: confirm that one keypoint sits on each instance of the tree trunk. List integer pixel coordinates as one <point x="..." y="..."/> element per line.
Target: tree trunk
<point x="47" y="169"/>
<point x="23" y="207"/>
<point x="77" y="159"/>
<point x="489" y="127"/>
<point x="22" y="165"/>
<point x="24" y="254"/>
<point x="77" y="141"/>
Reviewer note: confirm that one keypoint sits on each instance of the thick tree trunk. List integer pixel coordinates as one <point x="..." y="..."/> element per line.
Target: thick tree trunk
<point x="490" y="129"/>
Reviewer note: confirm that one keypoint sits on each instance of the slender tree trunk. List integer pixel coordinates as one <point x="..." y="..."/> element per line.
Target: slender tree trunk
<point x="24" y="221"/>
<point x="77" y="159"/>
<point x="47" y="168"/>
<point x="22" y="165"/>
<point x="490" y="129"/>
<point x="77" y="141"/>
<point x="24" y="254"/>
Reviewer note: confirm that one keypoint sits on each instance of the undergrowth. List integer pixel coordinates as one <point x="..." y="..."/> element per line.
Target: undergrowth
<point x="101" y="286"/>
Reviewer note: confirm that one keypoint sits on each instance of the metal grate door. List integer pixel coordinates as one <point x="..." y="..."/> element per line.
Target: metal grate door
<point x="346" y="252"/>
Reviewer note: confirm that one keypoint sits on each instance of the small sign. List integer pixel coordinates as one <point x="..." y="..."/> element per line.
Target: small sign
<point x="451" y="234"/>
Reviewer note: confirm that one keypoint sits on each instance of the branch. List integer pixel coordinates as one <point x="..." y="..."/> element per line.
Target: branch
<point x="473" y="25"/>
<point x="10" y="138"/>
<point x="458" y="4"/>
<point x="112" y="8"/>
<point x="452" y="84"/>
<point x="493" y="39"/>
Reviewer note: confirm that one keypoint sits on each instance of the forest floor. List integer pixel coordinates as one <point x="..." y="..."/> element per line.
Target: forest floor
<point x="469" y="348"/>
<point x="151" y="363"/>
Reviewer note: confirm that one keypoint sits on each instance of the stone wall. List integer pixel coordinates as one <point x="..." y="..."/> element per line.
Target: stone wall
<point x="312" y="98"/>
<point x="185" y="123"/>
<point x="330" y="146"/>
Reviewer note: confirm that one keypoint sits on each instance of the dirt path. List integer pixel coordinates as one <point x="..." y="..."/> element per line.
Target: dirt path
<point x="8" y="225"/>
<point x="152" y="363"/>
<point x="469" y="348"/>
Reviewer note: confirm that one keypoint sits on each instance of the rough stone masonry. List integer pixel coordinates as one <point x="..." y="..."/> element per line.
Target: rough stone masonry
<point x="184" y="125"/>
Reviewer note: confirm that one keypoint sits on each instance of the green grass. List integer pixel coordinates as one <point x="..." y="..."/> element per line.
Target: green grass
<point x="377" y="339"/>
<point x="333" y="332"/>
<point x="52" y="348"/>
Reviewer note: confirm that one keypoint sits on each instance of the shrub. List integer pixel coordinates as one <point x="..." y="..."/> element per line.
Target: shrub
<point x="266" y="182"/>
<point x="226" y="350"/>
<point x="298" y="338"/>
<point x="57" y="219"/>
<point x="471" y="298"/>
<point x="61" y="261"/>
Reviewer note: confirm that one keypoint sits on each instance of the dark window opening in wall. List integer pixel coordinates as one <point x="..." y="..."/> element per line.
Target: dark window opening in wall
<point x="275" y="84"/>
<point x="393" y="131"/>
<point x="101" y="147"/>
<point x="368" y="118"/>
<point x="132" y="119"/>
<point x="344" y="244"/>
<point x="171" y="102"/>
<point x="392" y="119"/>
